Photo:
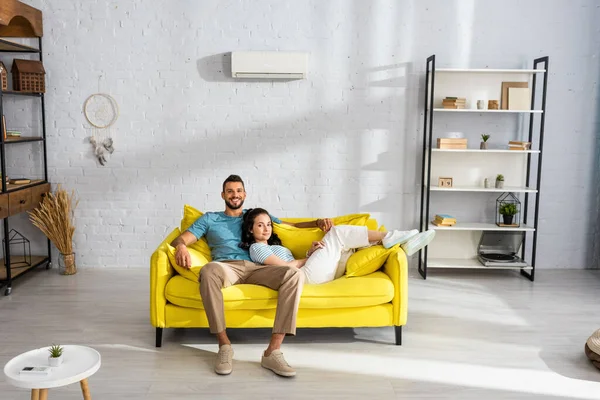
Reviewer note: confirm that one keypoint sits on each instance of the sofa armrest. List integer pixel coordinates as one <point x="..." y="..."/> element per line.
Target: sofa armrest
<point x="160" y="273"/>
<point x="396" y="267"/>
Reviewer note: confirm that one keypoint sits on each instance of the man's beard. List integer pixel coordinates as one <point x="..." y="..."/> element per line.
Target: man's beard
<point x="234" y="207"/>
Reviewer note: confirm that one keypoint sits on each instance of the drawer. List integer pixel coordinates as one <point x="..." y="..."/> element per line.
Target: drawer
<point x="38" y="193"/>
<point x="3" y="205"/>
<point x="19" y="201"/>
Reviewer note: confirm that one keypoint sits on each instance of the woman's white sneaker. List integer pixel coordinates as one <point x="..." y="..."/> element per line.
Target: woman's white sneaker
<point x="398" y="237"/>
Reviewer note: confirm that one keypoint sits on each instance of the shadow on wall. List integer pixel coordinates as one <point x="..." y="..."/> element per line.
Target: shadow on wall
<point x="594" y="248"/>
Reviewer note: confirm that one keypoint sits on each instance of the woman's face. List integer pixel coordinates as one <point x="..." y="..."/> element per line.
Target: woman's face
<point x="261" y="230"/>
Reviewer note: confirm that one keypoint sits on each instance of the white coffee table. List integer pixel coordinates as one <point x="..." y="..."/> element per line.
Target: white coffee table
<point x="79" y="363"/>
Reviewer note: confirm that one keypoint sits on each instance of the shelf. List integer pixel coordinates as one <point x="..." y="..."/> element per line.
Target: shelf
<point x="514" y="189"/>
<point x="466" y="263"/>
<point x="490" y="71"/>
<point x="470" y="110"/>
<point x="23" y="139"/>
<point x="19" y="269"/>
<point x="485" y="151"/>
<point x="12" y="187"/>
<point x="11" y="47"/>
<point x="29" y="94"/>
<point x="479" y="226"/>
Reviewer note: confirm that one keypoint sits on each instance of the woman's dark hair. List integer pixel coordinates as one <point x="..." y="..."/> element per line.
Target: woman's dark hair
<point x="248" y="223"/>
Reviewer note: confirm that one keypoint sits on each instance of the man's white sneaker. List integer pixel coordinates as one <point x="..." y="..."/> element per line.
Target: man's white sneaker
<point x="398" y="237"/>
<point x="418" y="242"/>
<point x="276" y="363"/>
<point x="224" y="361"/>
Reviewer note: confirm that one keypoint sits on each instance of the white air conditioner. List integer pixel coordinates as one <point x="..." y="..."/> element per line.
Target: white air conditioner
<point x="269" y="64"/>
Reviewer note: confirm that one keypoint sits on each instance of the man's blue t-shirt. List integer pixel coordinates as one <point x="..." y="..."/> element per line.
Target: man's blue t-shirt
<point x="223" y="234"/>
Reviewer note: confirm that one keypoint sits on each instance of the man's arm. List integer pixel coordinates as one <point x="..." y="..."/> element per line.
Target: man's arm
<point x="186" y="238"/>
<point x="324" y="224"/>
<point x="182" y="255"/>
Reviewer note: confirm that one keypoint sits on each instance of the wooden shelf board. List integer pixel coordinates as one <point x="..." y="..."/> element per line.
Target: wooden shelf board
<point x="23" y="139"/>
<point x="490" y="70"/>
<point x="466" y="263"/>
<point x="13" y="93"/>
<point x="472" y="110"/>
<point x="19" y="268"/>
<point x="504" y="151"/>
<point x="12" y="47"/>
<point x="479" y="226"/>
<point x="514" y="189"/>
<point x="10" y="187"/>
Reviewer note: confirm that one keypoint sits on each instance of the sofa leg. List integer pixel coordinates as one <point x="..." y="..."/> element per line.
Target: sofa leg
<point x="159" y="337"/>
<point x="398" y="330"/>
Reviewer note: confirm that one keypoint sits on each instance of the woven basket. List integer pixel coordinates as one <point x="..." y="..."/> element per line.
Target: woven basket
<point x="28" y="76"/>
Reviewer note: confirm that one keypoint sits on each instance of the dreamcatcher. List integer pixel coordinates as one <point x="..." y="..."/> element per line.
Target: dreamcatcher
<point x="101" y="111"/>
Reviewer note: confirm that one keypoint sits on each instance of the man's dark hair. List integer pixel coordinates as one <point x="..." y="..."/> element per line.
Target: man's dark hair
<point x="248" y="223"/>
<point x="233" y="178"/>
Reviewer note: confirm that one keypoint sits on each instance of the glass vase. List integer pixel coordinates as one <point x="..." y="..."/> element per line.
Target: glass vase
<point x="66" y="264"/>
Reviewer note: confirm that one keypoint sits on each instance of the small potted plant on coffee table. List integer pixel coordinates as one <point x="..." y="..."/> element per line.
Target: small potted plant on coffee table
<point x="499" y="181"/>
<point x="55" y="358"/>
<point x="508" y="211"/>
<point x="483" y="145"/>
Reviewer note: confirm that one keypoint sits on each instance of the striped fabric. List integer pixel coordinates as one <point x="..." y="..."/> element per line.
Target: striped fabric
<point x="259" y="252"/>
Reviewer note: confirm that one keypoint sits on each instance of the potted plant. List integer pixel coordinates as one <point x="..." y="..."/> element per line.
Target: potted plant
<point x="54" y="217"/>
<point x="508" y="211"/>
<point x="483" y="144"/>
<point x="55" y="358"/>
<point x="499" y="181"/>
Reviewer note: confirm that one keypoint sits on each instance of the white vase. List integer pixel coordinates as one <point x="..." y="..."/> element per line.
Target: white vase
<point x="55" y="361"/>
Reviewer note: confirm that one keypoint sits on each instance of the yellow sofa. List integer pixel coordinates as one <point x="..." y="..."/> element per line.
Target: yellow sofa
<point x="376" y="299"/>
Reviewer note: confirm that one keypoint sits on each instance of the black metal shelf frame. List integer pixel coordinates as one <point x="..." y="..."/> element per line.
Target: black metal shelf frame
<point x="428" y="145"/>
<point x="5" y="221"/>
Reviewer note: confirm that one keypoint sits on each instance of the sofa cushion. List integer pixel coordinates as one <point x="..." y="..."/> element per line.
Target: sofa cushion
<point x="198" y="261"/>
<point x="190" y="215"/>
<point x="299" y="240"/>
<point x="367" y="261"/>
<point x="373" y="289"/>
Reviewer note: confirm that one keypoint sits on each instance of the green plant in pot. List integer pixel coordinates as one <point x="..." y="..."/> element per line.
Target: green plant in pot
<point x="483" y="144"/>
<point x="500" y="181"/>
<point x="508" y="211"/>
<point x="56" y="355"/>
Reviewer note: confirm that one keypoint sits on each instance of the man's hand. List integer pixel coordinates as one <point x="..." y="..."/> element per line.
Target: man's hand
<point x="314" y="247"/>
<point x="182" y="256"/>
<point x="325" y="224"/>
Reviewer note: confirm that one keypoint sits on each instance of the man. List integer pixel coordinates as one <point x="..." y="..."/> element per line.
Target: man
<point x="231" y="265"/>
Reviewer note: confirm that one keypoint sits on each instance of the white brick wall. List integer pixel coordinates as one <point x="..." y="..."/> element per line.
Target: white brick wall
<point x="346" y="139"/>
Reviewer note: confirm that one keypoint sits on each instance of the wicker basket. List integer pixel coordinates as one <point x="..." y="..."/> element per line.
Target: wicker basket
<point x="28" y="76"/>
<point x="3" y="76"/>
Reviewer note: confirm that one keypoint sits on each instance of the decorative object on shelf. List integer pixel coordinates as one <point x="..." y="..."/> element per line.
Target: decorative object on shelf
<point x="101" y="111"/>
<point x="16" y="239"/>
<point x="55" y="358"/>
<point x="483" y="144"/>
<point x="505" y="96"/>
<point x="4" y="76"/>
<point x="592" y="348"/>
<point x="28" y="76"/>
<point x="456" y="103"/>
<point x="508" y="210"/>
<point x="481" y="104"/>
<point x="518" y="145"/>
<point x="452" y="143"/>
<point x="499" y="181"/>
<point x="519" y="99"/>
<point x="492" y="104"/>
<point x="486" y="183"/>
<point x="54" y="217"/>
<point x="443" y="220"/>
<point x="445" y="182"/>
<point x="19" y="181"/>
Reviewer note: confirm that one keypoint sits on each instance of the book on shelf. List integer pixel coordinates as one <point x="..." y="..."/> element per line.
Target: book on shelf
<point x="19" y="181"/>
<point x="443" y="220"/>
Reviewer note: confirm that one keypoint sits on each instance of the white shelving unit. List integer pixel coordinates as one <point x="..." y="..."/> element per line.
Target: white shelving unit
<point x="455" y="247"/>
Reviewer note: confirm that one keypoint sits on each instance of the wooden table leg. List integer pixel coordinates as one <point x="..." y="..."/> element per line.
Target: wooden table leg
<point x="35" y="394"/>
<point x="43" y="394"/>
<point x="85" y="389"/>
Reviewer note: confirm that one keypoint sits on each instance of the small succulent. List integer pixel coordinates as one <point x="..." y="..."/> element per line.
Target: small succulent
<point x="508" y="209"/>
<point x="485" y="137"/>
<point x="500" y="177"/>
<point x="55" y="351"/>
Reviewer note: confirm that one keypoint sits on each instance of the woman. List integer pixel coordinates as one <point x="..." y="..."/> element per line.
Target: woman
<point x="326" y="259"/>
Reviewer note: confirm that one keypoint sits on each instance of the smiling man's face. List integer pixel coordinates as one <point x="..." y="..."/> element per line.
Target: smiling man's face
<point x="234" y="195"/>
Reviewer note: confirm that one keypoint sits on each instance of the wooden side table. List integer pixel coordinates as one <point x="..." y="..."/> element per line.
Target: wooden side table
<point x="79" y="363"/>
